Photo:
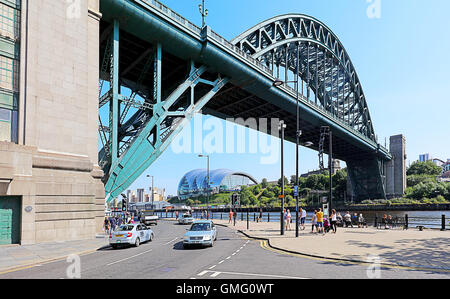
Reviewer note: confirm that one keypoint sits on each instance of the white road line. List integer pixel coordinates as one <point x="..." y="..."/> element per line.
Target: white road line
<point x="171" y="241"/>
<point x="129" y="257"/>
<point x="221" y="262"/>
<point x="216" y="273"/>
<point x="202" y="273"/>
<point x="228" y="258"/>
<point x="234" y="253"/>
<point x="212" y="267"/>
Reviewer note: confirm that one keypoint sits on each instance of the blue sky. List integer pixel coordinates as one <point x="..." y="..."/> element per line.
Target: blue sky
<point x="402" y="60"/>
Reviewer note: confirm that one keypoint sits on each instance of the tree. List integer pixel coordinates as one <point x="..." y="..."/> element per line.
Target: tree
<point x="286" y="182"/>
<point x="424" y="168"/>
<point x="264" y="183"/>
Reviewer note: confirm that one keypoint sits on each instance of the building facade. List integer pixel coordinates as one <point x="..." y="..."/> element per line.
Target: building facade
<point x="50" y="181"/>
<point x="195" y="183"/>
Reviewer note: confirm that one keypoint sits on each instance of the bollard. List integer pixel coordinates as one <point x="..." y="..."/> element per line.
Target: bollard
<point x="247" y="220"/>
<point x="443" y="223"/>
<point x="242" y="216"/>
<point x="221" y="216"/>
<point x="406" y="221"/>
<point x="254" y="217"/>
<point x="268" y="216"/>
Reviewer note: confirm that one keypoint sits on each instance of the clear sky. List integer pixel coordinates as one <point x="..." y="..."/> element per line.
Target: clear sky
<point x="400" y="49"/>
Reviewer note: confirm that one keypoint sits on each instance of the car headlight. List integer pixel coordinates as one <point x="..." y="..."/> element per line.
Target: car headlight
<point x="207" y="238"/>
<point x="186" y="238"/>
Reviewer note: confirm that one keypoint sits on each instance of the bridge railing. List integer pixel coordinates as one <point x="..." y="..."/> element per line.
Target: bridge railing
<point x="173" y="15"/>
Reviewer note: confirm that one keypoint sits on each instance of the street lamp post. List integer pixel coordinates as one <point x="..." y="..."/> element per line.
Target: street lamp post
<point x="207" y="185"/>
<point x="282" y="126"/>
<point x="152" y="188"/>
<point x="203" y="12"/>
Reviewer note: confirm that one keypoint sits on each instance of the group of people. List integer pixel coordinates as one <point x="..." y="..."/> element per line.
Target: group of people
<point x="322" y="224"/>
<point x="111" y="223"/>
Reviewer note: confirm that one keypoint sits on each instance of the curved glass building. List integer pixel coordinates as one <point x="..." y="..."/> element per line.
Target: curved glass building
<point x="195" y="182"/>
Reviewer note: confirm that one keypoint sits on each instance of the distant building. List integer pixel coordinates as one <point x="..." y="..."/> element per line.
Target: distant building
<point x="195" y="182"/>
<point x="336" y="167"/>
<point x="425" y="157"/>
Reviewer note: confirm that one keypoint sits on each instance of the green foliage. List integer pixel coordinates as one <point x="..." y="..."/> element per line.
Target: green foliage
<point x="424" y="168"/>
<point x="264" y="183"/>
<point x="415" y="179"/>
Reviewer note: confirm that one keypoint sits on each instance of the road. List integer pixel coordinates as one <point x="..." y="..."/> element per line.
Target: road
<point x="232" y="257"/>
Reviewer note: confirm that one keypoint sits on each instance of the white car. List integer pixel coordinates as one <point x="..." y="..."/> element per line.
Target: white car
<point x="185" y="219"/>
<point x="202" y="233"/>
<point x="130" y="234"/>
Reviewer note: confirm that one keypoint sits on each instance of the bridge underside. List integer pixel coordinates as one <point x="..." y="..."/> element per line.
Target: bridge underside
<point x="151" y="87"/>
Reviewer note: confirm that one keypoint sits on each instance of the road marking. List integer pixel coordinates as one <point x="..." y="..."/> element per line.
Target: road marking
<point x="234" y="253"/>
<point x="128" y="258"/>
<point x="228" y="258"/>
<point x="202" y="273"/>
<point x="212" y="267"/>
<point x="221" y="262"/>
<point x="217" y="273"/>
<point x="171" y="241"/>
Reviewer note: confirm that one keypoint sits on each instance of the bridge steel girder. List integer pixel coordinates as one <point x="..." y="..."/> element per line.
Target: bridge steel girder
<point x="149" y="142"/>
<point x="155" y="23"/>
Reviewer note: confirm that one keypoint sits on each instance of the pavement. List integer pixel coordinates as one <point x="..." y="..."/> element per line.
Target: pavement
<point x="13" y="257"/>
<point x="428" y="249"/>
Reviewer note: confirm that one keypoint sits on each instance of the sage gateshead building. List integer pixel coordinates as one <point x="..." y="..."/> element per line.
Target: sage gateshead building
<point x="195" y="183"/>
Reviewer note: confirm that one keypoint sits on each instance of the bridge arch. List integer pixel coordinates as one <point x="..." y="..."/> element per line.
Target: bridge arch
<point x="325" y="66"/>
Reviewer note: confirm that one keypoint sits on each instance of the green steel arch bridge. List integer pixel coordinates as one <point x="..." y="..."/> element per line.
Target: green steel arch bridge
<point x="157" y="70"/>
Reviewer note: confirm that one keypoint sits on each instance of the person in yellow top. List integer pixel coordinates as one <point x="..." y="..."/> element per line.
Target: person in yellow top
<point x="319" y="215"/>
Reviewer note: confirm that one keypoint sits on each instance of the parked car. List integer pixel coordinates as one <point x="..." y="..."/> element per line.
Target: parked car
<point x="203" y="233"/>
<point x="131" y="234"/>
<point x="185" y="219"/>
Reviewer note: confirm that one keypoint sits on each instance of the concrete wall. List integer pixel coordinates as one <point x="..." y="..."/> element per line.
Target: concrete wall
<point x="55" y="166"/>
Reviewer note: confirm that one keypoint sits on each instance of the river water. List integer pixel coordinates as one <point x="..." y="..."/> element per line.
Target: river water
<point x="429" y="219"/>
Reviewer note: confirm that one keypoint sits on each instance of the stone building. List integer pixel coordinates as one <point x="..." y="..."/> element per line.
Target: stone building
<point x="50" y="181"/>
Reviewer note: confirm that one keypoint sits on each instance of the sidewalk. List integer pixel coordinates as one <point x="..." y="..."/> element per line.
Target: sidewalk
<point x="16" y="256"/>
<point x="411" y="248"/>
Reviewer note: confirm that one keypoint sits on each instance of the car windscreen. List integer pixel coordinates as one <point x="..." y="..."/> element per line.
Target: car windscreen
<point x="197" y="227"/>
<point x="126" y="228"/>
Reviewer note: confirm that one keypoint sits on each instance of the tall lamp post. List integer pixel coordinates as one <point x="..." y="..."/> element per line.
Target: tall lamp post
<point x="281" y="127"/>
<point x="203" y="12"/>
<point x="277" y="83"/>
<point x="153" y="192"/>
<point x="207" y="185"/>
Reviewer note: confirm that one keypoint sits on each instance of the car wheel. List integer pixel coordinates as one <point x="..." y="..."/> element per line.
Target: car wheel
<point x="151" y="237"/>
<point x="137" y="242"/>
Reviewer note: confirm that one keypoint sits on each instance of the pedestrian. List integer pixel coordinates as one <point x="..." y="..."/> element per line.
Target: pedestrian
<point x="284" y="218"/>
<point x="348" y="220"/>
<point x="333" y="221"/>
<point x="288" y="220"/>
<point x="113" y="224"/>
<point x="260" y="215"/>
<point x="106" y="226"/>
<point x="320" y="220"/>
<point x="302" y="218"/>
<point x="176" y="214"/>
<point x="314" y="222"/>
<point x="230" y="216"/>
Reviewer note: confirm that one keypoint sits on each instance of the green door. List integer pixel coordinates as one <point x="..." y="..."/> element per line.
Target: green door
<point x="10" y="219"/>
<point x="6" y="217"/>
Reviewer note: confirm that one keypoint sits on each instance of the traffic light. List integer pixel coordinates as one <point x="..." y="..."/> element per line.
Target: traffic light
<point x="124" y="205"/>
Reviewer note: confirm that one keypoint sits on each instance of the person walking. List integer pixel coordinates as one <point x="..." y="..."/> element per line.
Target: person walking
<point x="302" y="218"/>
<point x="288" y="220"/>
<point x="314" y="222"/>
<point x="230" y="216"/>
<point x="320" y="221"/>
<point x="106" y="226"/>
<point x="333" y="219"/>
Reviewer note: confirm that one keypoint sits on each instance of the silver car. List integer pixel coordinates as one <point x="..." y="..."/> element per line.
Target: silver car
<point x="131" y="234"/>
<point x="185" y="219"/>
<point x="202" y="233"/>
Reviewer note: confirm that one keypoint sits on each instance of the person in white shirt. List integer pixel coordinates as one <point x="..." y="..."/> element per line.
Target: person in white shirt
<point x="302" y="218"/>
